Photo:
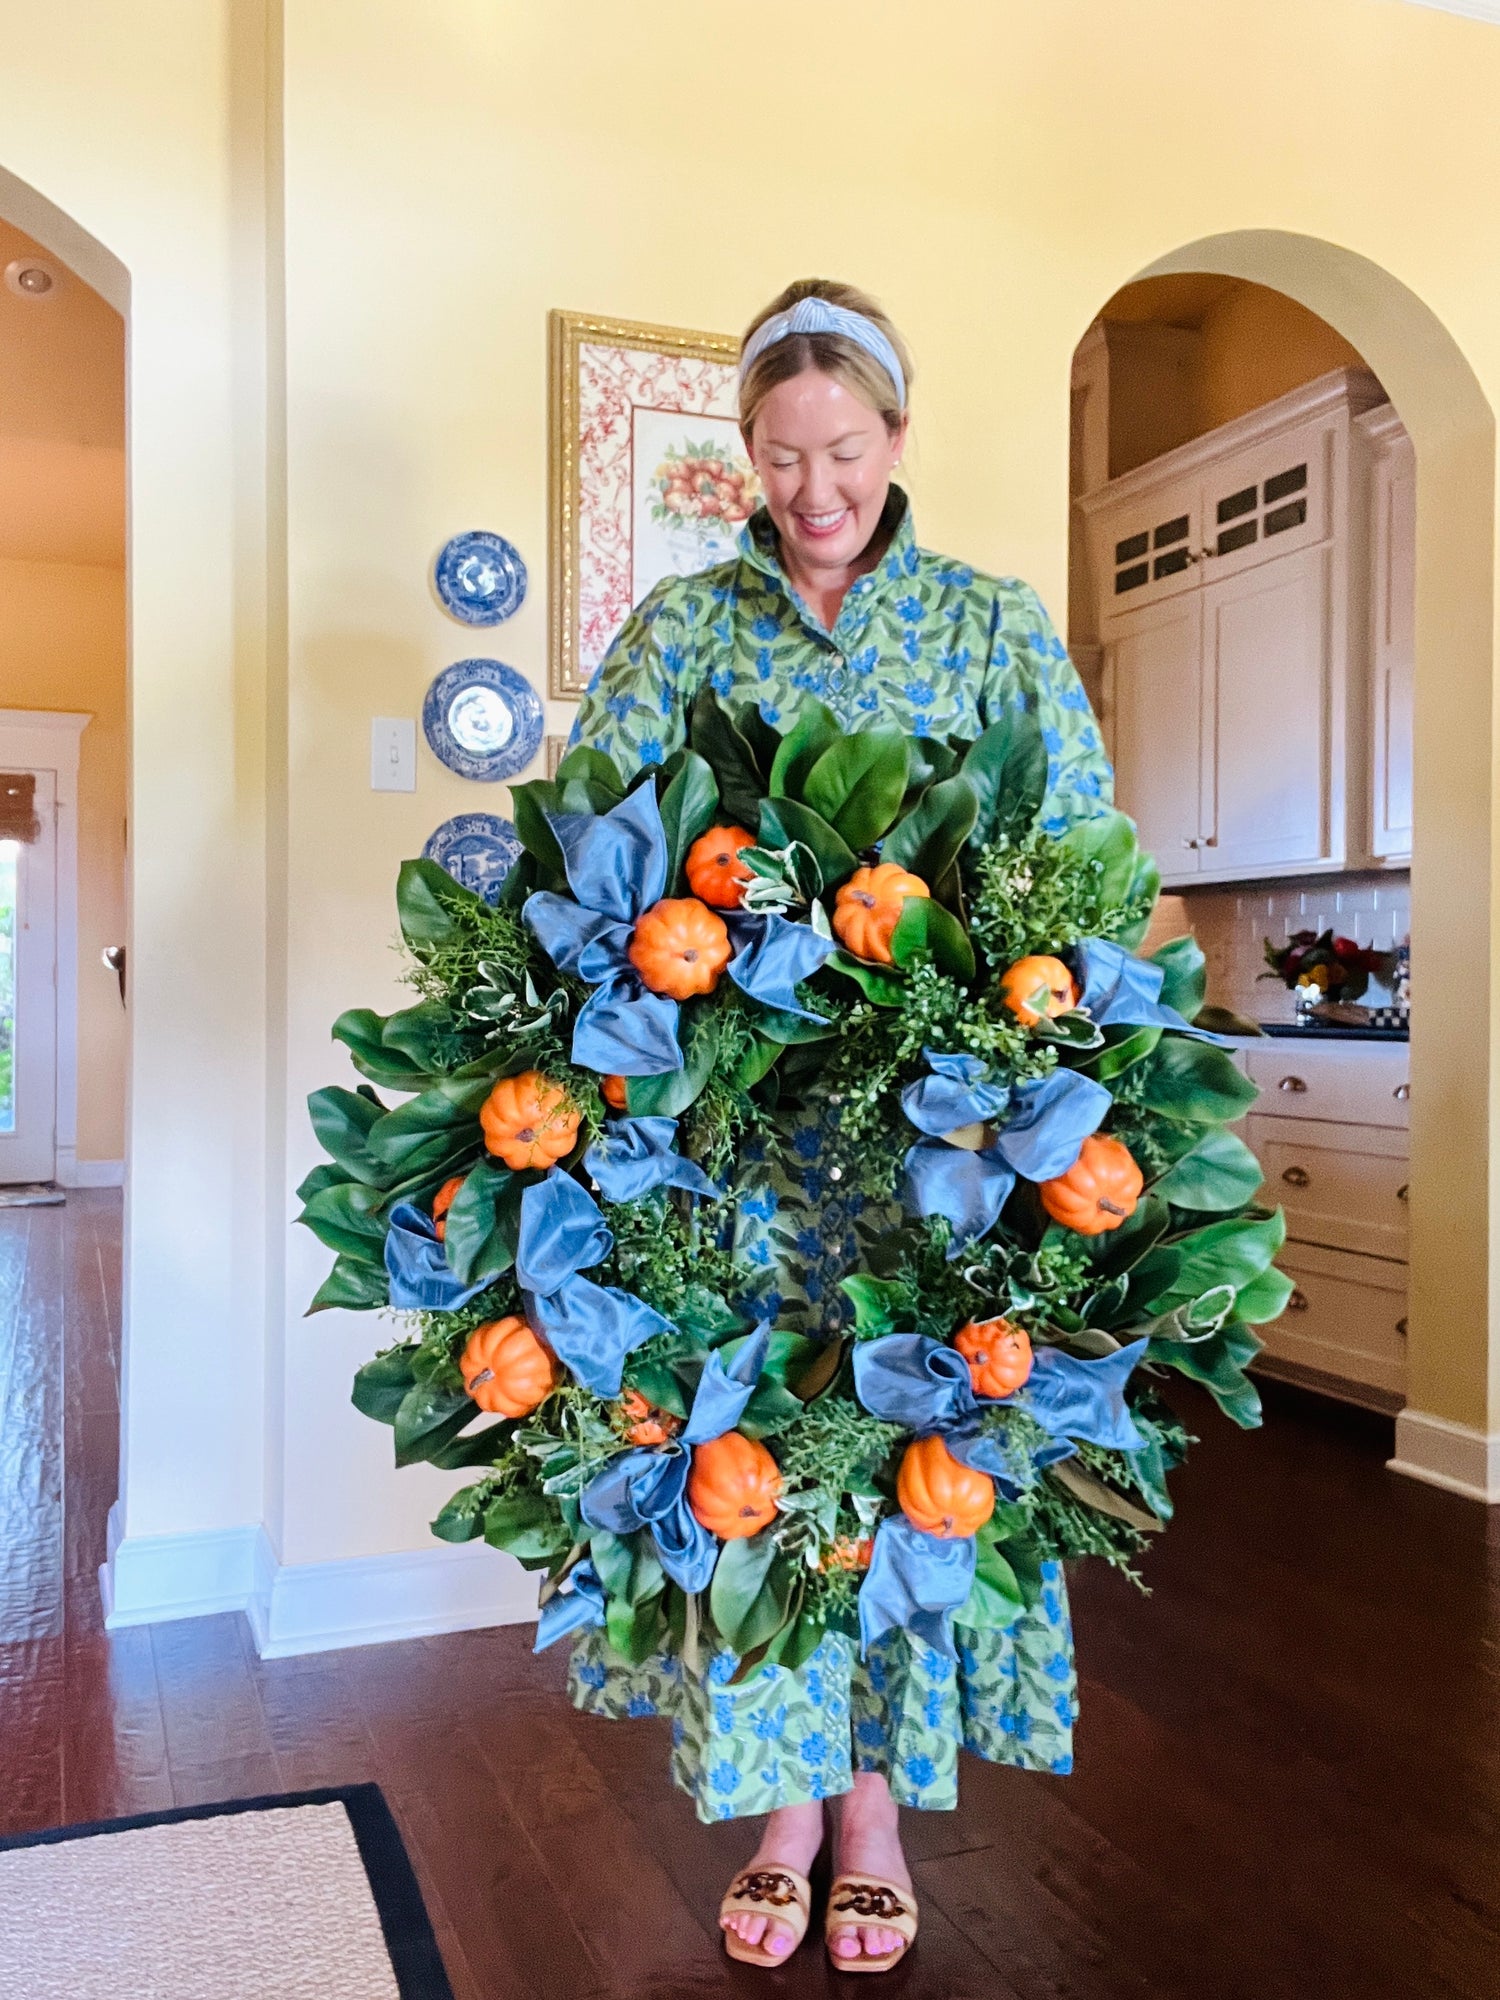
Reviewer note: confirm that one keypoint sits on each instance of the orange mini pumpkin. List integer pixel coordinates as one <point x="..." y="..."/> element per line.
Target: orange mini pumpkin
<point x="680" y="947"/>
<point x="846" y="1553"/>
<point x="868" y="908"/>
<point x="715" y="872"/>
<point x="612" y="1090"/>
<point x="939" y="1495"/>
<point x="733" y="1486"/>
<point x="528" y="1122"/>
<point x="1098" y="1192"/>
<point x="1037" y="988"/>
<point x="442" y="1201"/>
<point x="506" y="1369"/>
<point x="644" y="1423"/>
<point x="998" y="1354"/>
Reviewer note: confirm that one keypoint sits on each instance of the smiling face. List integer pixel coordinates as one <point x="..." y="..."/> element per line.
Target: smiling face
<point x="825" y="460"/>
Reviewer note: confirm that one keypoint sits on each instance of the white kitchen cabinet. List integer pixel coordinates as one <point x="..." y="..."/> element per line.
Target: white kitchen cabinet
<point x="1237" y="767"/>
<point x="1392" y="629"/>
<point x="1330" y="1132"/>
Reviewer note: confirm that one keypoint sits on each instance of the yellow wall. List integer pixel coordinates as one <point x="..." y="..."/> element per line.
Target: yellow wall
<point x="1256" y="345"/>
<point x="443" y="176"/>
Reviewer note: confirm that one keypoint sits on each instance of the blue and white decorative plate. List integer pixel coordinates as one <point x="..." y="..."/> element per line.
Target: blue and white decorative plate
<point x="483" y="720"/>
<point x="477" y="849"/>
<point x="480" y="577"/>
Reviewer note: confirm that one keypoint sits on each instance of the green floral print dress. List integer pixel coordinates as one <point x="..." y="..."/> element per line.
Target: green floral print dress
<point x="939" y="649"/>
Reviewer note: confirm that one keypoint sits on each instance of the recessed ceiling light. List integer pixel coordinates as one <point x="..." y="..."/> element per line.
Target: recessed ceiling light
<point x="30" y="278"/>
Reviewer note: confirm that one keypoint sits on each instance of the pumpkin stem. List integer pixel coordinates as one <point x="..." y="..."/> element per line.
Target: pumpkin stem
<point x="1110" y="1208"/>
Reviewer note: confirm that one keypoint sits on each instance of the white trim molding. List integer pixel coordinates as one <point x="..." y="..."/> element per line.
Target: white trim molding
<point x="1453" y="1456"/>
<point x="364" y="1600"/>
<point x="75" y="1173"/>
<point x="310" y="1607"/>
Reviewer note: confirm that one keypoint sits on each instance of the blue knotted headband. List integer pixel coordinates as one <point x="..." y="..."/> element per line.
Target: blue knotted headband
<point x="818" y="316"/>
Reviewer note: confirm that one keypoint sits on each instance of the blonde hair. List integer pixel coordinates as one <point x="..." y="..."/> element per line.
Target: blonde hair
<point x="830" y="353"/>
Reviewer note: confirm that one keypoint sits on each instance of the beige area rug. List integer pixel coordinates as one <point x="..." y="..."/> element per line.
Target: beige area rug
<point x="257" y="1900"/>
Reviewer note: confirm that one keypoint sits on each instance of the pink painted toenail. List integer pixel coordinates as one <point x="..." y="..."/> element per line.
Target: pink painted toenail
<point x="779" y="1946"/>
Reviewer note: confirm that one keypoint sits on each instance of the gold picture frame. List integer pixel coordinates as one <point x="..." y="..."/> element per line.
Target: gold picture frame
<point x="616" y="386"/>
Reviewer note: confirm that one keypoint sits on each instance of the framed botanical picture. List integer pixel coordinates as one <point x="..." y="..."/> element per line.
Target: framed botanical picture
<point x="649" y="475"/>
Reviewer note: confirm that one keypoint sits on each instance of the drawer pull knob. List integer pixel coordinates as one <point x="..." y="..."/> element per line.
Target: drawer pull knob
<point x="1298" y="1302"/>
<point x="1403" y="1193"/>
<point x="1401" y="1328"/>
<point x="1291" y="1083"/>
<point x="1297" y="1177"/>
<point x="1402" y="1092"/>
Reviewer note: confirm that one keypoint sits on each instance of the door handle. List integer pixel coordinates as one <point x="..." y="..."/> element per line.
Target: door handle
<point x="113" y="955"/>
<point x="1292" y="1083"/>
<point x="1402" y="1092"/>
<point x="1403" y="1193"/>
<point x="1297" y="1177"/>
<point x="1297" y="1303"/>
<point x="1187" y="841"/>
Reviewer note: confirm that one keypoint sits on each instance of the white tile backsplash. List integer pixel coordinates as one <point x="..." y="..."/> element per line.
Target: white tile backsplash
<point x="1232" y="925"/>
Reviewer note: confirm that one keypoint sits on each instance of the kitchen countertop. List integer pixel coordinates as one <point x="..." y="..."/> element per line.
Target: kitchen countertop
<point x="1288" y="1031"/>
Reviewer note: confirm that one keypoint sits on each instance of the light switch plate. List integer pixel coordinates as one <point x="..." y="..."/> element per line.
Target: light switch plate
<point x="393" y="754"/>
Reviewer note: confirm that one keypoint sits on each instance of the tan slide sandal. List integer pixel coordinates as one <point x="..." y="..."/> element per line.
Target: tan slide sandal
<point x="767" y="1892"/>
<point x="856" y="1902"/>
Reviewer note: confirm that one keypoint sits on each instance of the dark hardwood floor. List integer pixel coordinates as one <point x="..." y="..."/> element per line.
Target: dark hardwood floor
<point x="1288" y="1782"/>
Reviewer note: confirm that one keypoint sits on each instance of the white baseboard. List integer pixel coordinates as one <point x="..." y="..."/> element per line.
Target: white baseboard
<point x="1453" y="1456"/>
<point x="73" y="1173"/>
<point x="310" y="1607"/>
<point x="364" y="1600"/>
<point x="146" y="1578"/>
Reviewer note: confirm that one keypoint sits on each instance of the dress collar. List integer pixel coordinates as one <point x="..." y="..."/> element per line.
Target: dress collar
<point x="759" y="545"/>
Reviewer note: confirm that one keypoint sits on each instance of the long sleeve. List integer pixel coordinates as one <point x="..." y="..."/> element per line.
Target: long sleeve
<point x="1029" y="664"/>
<point x="635" y="709"/>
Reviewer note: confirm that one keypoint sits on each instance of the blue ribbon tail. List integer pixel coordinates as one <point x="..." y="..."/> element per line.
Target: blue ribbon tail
<point x="1049" y="1121"/>
<point x="417" y="1267"/>
<point x="561" y="1233"/>
<point x="955" y="1094"/>
<point x="1121" y="990"/>
<point x="576" y="940"/>
<point x="905" y="1378"/>
<point x="1083" y="1399"/>
<point x="722" y="1392"/>
<point x="622" y="1030"/>
<point x="632" y="1156"/>
<point x="774" y="954"/>
<point x="968" y="1188"/>
<point x="616" y="861"/>
<point x="579" y="1602"/>
<point x="915" y="1584"/>
<point x="591" y="1328"/>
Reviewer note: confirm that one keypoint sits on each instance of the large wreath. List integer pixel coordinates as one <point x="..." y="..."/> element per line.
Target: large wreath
<point x="596" y="1078"/>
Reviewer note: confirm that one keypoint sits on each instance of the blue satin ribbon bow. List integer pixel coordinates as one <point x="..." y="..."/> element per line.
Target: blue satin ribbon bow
<point x="591" y="1328"/>
<point x="633" y="1156"/>
<point x="772" y="954"/>
<point x="1121" y="990"/>
<point x="907" y="1379"/>
<point x="417" y="1265"/>
<point x="616" y="865"/>
<point x="915" y="1583"/>
<point x="580" y="1601"/>
<point x="1039" y="1129"/>
<point x="647" y="1487"/>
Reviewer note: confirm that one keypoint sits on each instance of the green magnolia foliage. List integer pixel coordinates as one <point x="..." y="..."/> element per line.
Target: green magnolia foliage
<point x="1191" y="1268"/>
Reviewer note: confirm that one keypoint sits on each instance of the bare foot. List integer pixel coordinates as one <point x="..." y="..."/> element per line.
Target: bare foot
<point x="868" y="1842"/>
<point x="791" y="1839"/>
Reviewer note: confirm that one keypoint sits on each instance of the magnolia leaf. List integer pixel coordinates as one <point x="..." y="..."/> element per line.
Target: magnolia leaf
<point x="1219" y="1173"/>
<point x="1007" y="768"/>
<point x="783" y="821"/>
<point x="688" y="807"/>
<point x="347" y="1219"/>
<point x="1219" y="1364"/>
<point x="1110" y="841"/>
<point x="727" y="744"/>
<point x="592" y="767"/>
<point x="482" y="1227"/>
<point x="1072" y="1477"/>
<point x="930" y="838"/>
<point x="751" y="1592"/>
<point x="815" y="731"/>
<point x="1123" y="1047"/>
<point x="355" y="1285"/>
<point x="1185" y="975"/>
<point x="995" y="1600"/>
<point x="874" y="981"/>
<point x="670" y="1095"/>
<point x="530" y="804"/>
<point x="429" y="1418"/>
<point x="461" y="1519"/>
<point x="426" y="898"/>
<point x="925" y="926"/>
<point x="1265" y="1298"/>
<point x="1195" y="1082"/>
<point x="857" y="785"/>
<point x="382" y="1385"/>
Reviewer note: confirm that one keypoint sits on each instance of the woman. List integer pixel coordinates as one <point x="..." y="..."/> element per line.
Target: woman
<point x="831" y="598"/>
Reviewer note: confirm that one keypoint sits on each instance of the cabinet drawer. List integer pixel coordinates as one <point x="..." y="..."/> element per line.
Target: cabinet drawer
<point x="1345" y="1194"/>
<point x="1347" y="1317"/>
<point x="1356" y="1083"/>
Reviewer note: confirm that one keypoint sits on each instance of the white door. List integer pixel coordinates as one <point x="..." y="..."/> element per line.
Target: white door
<point x="1268" y="716"/>
<point x="1153" y="676"/>
<point x="1268" y="500"/>
<point x="28" y="996"/>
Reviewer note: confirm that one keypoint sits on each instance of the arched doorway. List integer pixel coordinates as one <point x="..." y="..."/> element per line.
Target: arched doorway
<point x="1450" y="1430"/>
